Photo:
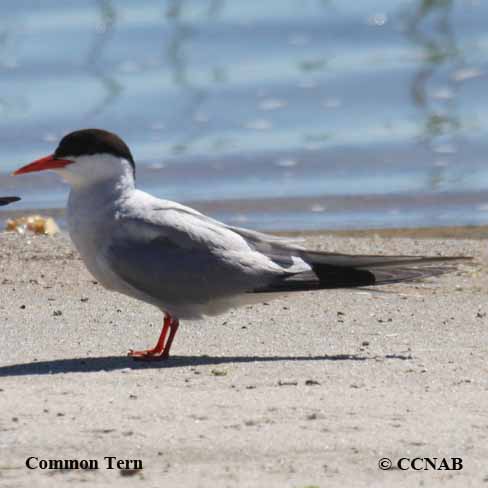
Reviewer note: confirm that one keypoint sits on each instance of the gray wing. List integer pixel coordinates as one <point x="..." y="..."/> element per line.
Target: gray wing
<point x="179" y="254"/>
<point x="179" y="257"/>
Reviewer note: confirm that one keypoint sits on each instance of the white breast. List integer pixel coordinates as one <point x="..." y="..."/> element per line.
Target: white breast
<point x="89" y="224"/>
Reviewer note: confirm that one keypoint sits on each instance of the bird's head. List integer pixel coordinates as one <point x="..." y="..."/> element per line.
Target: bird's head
<point x="87" y="156"/>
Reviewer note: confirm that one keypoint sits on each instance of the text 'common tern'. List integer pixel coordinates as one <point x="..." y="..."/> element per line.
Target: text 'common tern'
<point x="183" y="262"/>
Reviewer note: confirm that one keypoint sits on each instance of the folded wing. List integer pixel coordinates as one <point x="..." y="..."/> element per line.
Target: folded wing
<point x="180" y="254"/>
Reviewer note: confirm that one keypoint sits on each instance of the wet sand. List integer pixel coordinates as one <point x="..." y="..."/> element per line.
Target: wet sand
<point x="311" y="390"/>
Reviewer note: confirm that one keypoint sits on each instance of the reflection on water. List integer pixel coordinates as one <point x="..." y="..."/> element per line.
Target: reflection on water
<point x="435" y="87"/>
<point x="440" y="54"/>
<point x="259" y="101"/>
<point x="112" y="88"/>
<point x="8" y="61"/>
<point x="193" y="96"/>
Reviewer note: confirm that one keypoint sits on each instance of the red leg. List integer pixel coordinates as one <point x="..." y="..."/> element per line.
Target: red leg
<point x="175" y="323"/>
<point x="161" y="350"/>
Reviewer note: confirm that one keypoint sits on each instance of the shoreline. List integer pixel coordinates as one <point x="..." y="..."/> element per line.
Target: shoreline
<point x="447" y="232"/>
<point x="429" y="232"/>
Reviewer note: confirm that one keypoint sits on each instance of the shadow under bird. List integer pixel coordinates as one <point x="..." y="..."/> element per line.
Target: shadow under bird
<point x="183" y="262"/>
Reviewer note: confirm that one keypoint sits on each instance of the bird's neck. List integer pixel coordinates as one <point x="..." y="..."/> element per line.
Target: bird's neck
<point x="94" y="194"/>
<point x="98" y="194"/>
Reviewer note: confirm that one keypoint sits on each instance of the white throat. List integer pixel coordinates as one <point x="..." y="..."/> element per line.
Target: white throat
<point x="98" y="169"/>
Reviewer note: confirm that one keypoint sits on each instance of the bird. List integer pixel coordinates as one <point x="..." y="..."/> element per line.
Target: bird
<point x="183" y="262"/>
<point x="7" y="200"/>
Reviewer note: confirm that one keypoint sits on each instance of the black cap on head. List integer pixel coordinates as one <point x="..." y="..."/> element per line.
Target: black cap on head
<point x="86" y="142"/>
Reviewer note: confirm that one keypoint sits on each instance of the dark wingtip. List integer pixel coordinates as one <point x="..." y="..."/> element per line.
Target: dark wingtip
<point x="7" y="200"/>
<point x="342" y="277"/>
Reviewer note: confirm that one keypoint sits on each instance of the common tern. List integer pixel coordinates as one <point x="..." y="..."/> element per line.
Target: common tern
<point x="183" y="262"/>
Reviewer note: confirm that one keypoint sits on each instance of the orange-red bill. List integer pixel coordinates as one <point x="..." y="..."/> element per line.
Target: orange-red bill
<point x="48" y="162"/>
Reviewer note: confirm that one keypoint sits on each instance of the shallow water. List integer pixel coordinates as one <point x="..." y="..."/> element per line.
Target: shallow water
<point x="284" y="114"/>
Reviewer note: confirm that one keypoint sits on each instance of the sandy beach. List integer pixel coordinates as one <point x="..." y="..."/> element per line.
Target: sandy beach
<point x="311" y="391"/>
